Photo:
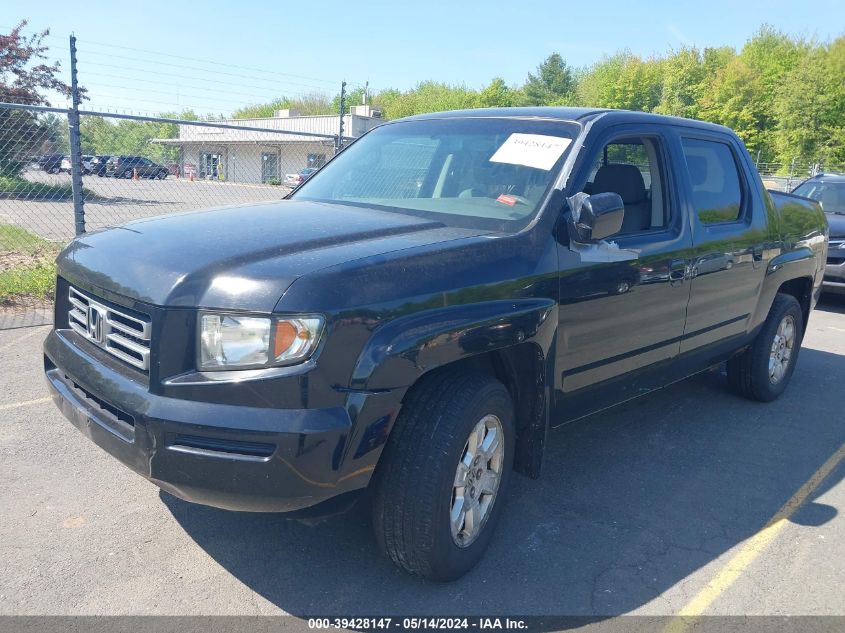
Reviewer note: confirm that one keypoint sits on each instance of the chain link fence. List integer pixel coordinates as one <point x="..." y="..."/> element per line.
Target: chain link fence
<point x="787" y="176"/>
<point x="130" y="167"/>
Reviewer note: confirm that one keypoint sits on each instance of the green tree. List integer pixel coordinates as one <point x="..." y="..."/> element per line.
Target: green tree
<point x="732" y="99"/>
<point x="427" y="96"/>
<point x="552" y="85"/>
<point x="25" y="78"/>
<point x="622" y="81"/>
<point x="100" y="135"/>
<point x="498" y="95"/>
<point x="742" y="93"/>
<point x="310" y="104"/>
<point x="809" y="107"/>
<point x="683" y="74"/>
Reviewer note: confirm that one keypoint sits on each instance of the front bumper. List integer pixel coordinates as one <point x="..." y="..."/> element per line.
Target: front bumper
<point x="233" y="457"/>
<point x="834" y="272"/>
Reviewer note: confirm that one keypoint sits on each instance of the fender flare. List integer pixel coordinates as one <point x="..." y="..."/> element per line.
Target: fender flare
<point x="795" y="264"/>
<point x="521" y="335"/>
<point x="403" y="349"/>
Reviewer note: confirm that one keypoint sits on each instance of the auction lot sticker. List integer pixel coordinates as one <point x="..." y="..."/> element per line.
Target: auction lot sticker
<point x="531" y="150"/>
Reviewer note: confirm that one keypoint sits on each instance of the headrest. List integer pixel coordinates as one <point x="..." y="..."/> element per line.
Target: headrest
<point x="626" y="180"/>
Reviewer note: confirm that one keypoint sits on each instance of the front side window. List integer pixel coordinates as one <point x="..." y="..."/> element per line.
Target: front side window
<point x="632" y="168"/>
<point x="831" y="195"/>
<point x="714" y="178"/>
<point x="475" y="172"/>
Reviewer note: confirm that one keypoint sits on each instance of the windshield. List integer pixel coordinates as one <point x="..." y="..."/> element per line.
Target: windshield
<point x="487" y="173"/>
<point x="831" y="195"/>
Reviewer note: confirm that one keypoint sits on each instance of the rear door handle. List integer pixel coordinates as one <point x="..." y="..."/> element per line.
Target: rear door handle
<point x="678" y="271"/>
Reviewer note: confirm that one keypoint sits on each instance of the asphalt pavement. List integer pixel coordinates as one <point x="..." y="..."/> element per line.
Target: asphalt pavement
<point x="670" y="504"/>
<point x="113" y="201"/>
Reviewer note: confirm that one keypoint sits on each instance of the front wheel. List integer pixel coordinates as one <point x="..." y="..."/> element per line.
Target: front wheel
<point x="443" y="477"/>
<point x="127" y="174"/>
<point x="762" y="372"/>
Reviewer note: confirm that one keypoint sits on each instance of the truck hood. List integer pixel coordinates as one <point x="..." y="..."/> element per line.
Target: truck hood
<point x="836" y="222"/>
<point x="240" y="258"/>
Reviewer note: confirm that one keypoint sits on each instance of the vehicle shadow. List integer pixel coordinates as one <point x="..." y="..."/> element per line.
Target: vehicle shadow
<point x="630" y="503"/>
<point x="118" y="200"/>
<point x="832" y="303"/>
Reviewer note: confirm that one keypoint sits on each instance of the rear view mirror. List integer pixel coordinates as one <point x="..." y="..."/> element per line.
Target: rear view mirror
<point x="595" y="217"/>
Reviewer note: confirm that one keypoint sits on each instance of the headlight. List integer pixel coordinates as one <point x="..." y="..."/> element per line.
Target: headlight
<point x="231" y="341"/>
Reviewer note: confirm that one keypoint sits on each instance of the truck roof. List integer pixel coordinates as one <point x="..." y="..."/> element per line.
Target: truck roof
<point x="571" y="114"/>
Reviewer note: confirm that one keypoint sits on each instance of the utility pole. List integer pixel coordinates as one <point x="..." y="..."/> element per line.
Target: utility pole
<point x="75" y="146"/>
<point x="339" y="144"/>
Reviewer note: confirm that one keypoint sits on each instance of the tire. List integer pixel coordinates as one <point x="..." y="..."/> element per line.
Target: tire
<point x="54" y="170"/>
<point x="415" y="486"/>
<point x="127" y="174"/>
<point x="760" y="372"/>
<point x="161" y="175"/>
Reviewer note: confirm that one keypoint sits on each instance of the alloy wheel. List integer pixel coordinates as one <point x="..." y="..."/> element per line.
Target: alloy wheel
<point x="783" y="346"/>
<point x="477" y="480"/>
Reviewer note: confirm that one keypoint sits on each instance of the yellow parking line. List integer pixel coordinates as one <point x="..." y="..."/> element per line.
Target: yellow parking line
<point x="37" y="330"/>
<point x="23" y="403"/>
<point x="752" y="548"/>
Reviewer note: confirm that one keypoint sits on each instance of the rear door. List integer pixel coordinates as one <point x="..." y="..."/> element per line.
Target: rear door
<point x="627" y="314"/>
<point x="730" y="235"/>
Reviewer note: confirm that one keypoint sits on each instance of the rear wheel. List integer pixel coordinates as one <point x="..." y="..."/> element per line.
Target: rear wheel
<point x="442" y="480"/>
<point x="161" y="175"/>
<point x="127" y="174"/>
<point x="762" y="372"/>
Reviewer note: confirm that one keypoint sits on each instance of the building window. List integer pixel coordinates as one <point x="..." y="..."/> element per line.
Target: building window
<point x="316" y="160"/>
<point x="211" y="165"/>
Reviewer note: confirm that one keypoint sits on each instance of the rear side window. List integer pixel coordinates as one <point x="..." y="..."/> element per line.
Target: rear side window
<point x="714" y="177"/>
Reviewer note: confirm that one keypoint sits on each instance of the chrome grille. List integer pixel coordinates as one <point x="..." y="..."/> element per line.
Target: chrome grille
<point x="126" y="337"/>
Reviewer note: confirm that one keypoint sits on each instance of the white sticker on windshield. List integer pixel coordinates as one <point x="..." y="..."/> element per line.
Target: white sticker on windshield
<point x="531" y="150"/>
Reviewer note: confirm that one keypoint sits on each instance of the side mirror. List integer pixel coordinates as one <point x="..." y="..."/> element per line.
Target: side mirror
<point x="595" y="217"/>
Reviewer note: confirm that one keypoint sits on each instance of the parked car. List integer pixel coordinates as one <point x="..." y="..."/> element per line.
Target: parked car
<point x="51" y="163"/>
<point x="86" y="163"/>
<point x="294" y="180"/>
<point x="414" y="319"/>
<point x="98" y="164"/>
<point x="829" y="191"/>
<point x="125" y="167"/>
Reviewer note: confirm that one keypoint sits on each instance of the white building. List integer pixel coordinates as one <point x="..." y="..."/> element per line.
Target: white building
<point x="266" y="155"/>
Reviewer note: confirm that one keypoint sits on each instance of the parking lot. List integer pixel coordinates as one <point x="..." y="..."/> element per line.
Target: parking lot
<point x="658" y="507"/>
<point x="111" y="201"/>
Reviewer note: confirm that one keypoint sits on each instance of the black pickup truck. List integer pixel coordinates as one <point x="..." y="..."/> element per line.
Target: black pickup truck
<point x="413" y="319"/>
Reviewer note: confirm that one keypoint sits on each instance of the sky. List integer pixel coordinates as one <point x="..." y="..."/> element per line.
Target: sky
<point x="215" y="56"/>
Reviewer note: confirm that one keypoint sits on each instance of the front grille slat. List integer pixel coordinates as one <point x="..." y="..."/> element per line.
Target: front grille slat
<point x="83" y="306"/>
<point x="142" y="332"/>
<point x="124" y="336"/>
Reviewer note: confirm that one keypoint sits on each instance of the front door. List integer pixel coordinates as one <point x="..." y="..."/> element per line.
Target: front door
<point x="623" y="306"/>
<point x="269" y="167"/>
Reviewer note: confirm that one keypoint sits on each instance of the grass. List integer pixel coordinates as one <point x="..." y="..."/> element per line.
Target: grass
<point x="27" y="266"/>
<point x="20" y="187"/>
